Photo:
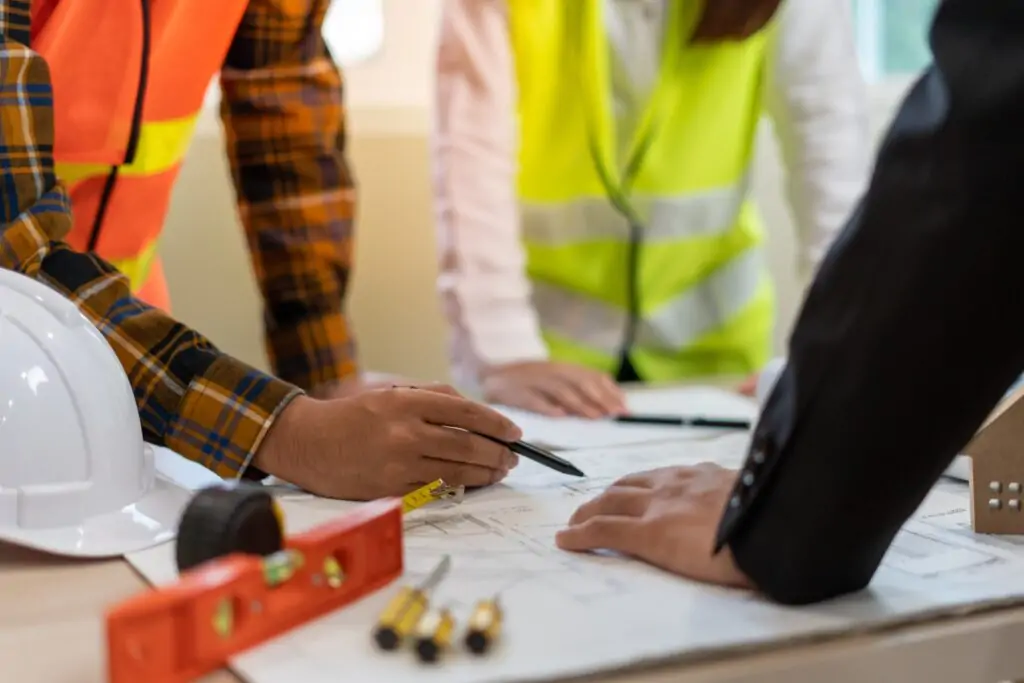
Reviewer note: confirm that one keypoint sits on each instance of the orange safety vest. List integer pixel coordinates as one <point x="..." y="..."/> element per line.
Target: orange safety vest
<point x="128" y="86"/>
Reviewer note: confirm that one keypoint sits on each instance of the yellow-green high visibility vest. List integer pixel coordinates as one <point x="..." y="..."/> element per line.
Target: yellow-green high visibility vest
<point x="702" y="295"/>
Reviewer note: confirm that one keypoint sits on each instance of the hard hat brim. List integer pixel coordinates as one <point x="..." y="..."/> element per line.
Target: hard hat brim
<point x="150" y="521"/>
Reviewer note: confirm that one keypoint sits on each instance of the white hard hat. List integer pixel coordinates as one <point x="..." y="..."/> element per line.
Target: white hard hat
<point x="76" y="477"/>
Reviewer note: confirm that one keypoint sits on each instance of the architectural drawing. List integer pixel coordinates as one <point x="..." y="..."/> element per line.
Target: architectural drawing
<point x="930" y="556"/>
<point x="501" y="539"/>
<point x="939" y="541"/>
<point x="496" y="554"/>
<point x="573" y="614"/>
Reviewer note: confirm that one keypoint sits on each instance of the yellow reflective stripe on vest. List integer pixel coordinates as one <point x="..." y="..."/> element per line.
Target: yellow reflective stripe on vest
<point x="672" y="327"/>
<point x="137" y="268"/>
<point x="666" y="218"/>
<point x="162" y="144"/>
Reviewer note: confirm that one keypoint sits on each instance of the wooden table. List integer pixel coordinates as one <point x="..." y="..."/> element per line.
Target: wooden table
<point x="51" y="632"/>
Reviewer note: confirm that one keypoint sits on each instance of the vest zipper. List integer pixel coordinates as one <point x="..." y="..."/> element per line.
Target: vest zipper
<point x="101" y="209"/>
<point x="620" y="201"/>
<point x="134" y="134"/>
<point x="632" y="291"/>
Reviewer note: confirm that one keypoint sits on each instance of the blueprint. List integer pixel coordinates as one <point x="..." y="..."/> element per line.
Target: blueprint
<point x="573" y="614"/>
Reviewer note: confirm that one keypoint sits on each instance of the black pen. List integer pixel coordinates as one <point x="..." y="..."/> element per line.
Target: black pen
<point x="538" y="455"/>
<point x="680" y="421"/>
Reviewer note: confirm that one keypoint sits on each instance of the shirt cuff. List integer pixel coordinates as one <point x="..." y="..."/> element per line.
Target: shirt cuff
<point x="490" y="330"/>
<point x="316" y="351"/>
<point x="224" y="416"/>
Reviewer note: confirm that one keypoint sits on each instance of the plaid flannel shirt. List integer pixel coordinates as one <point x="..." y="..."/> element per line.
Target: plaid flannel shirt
<point x="285" y="125"/>
<point x="191" y="397"/>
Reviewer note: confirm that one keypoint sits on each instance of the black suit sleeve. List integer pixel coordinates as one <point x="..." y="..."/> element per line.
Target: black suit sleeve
<point x="911" y="331"/>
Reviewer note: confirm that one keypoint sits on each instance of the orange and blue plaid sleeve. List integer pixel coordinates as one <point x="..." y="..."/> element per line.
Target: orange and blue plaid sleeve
<point x="285" y="127"/>
<point x="191" y="398"/>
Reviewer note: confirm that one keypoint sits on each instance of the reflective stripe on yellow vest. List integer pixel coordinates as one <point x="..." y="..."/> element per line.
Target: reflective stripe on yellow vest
<point x="704" y="298"/>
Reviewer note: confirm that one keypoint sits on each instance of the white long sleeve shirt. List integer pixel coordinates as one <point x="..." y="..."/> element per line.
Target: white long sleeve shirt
<point x="814" y="95"/>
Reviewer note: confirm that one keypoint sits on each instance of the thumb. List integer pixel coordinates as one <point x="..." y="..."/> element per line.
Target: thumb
<point x="602" y="532"/>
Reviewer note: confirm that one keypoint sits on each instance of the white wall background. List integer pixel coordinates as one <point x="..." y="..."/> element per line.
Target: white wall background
<point x="401" y="73"/>
<point x="393" y="303"/>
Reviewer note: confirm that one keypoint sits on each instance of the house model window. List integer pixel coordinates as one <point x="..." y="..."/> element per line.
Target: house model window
<point x="997" y="470"/>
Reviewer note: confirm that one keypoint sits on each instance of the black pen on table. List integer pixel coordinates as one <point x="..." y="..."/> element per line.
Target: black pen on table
<point x="683" y="421"/>
<point x="538" y="455"/>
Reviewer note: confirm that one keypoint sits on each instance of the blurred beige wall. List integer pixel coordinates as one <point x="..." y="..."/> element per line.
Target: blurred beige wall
<point x="393" y="301"/>
<point x="392" y="296"/>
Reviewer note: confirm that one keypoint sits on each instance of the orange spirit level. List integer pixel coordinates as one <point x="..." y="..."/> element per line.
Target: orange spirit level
<point x="242" y="582"/>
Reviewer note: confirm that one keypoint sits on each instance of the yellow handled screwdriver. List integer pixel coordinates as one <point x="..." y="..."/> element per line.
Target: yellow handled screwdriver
<point x="434" y="634"/>
<point x="484" y="626"/>
<point x="403" y="613"/>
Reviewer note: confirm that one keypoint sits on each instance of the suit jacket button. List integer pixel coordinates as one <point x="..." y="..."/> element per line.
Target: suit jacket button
<point x="748" y="478"/>
<point x="735" y="501"/>
<point x="760" y="449"/>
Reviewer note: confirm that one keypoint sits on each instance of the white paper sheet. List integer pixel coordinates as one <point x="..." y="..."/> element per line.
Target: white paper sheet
<point x="568" y="433"/>
<point x="182" y="471"/>
<point x="960" y="468"/>
<point x="572" y="614"/>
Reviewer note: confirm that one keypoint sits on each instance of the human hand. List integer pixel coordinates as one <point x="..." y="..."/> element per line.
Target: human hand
<point x="734" y="19"/>
<point x="748" y="387"/>
<point x="666" y="517"/>
<point x="555" y="389"/>
<point x="387" y="443"/>
<point x="350" y="386"/>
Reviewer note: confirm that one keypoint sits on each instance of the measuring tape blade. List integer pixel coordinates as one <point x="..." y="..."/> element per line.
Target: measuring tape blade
<point x="435" y="490"/>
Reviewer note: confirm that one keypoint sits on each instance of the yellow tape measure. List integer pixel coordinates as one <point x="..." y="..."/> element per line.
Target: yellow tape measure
<point x="435" y="490"/>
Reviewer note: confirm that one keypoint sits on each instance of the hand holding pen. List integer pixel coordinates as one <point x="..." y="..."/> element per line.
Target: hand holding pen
<point x="375" y="444"/>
